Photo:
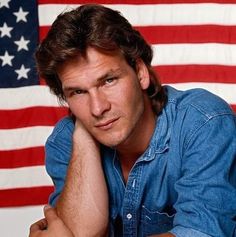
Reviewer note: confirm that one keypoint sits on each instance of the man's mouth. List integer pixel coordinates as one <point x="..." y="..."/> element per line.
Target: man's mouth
<point x="106" y="124"/>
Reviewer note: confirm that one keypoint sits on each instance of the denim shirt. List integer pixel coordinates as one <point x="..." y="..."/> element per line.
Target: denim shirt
<point x="185" y="181"/>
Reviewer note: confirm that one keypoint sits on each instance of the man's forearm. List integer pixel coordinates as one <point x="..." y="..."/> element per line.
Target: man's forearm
<point x="163" y="235"/>
<point x="83" y="204"/>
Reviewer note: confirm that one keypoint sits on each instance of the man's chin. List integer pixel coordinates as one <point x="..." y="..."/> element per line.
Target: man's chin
<point x="111" y="141"/>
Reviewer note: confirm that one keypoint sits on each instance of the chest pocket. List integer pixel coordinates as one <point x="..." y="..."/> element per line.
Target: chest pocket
<point x="155" y="222"/>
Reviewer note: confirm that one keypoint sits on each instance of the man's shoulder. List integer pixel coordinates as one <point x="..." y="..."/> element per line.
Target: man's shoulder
<point x="63" y="128"/>
<point x="200" y="100"/>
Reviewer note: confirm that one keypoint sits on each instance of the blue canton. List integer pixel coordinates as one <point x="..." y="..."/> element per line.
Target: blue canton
<point x="18" y="41"/>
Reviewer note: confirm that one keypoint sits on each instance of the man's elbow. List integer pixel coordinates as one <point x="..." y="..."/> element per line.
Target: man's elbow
<point x="91" y="229"/>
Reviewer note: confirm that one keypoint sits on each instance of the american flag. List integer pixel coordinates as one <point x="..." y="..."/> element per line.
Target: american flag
<point x="194" y="46"/>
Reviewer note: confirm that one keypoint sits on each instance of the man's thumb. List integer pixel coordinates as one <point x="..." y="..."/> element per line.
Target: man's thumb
<point x="50" y="213"/>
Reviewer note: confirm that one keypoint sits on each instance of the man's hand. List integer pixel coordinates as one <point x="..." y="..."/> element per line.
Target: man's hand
<point x="50" y="226"/>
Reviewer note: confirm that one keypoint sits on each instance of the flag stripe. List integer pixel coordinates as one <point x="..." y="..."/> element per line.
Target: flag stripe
<point x="142" y="2"/>
<point x="21" y="138"/>
<point x="161" y="14"/>
<point x="22" y="157"/>
<point x="234" y="107"/>
<point x="33" y="116"/>
<point x="179" y="54"/>
<point x="181" y="34"/>
<point x="25" y="196"/>
<point x="12" y="99"/>
<point x="22" y="177"/>
<point x="196" y="73"/>
<point x="225" y="91"/>
<point x="190" y="34"/>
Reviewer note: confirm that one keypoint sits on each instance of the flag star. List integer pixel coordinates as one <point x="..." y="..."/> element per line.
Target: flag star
<point x="4" y="3"/>
<point x="22" y="44"/>
<point x="22" y="72"/>
<point x="21" y="15"/>
<point x="6" y="59"/>
<point x="5" y="30"/>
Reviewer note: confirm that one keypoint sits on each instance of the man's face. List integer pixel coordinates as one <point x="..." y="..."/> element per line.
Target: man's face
<point x="106" y="95"/>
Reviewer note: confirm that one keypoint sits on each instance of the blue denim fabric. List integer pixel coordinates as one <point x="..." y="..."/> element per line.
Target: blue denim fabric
<point x="184" y="183"/>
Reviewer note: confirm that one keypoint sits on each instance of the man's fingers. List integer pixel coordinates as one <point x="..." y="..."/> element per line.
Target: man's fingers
<point x="50" y="213"/>
<point x="39" y="225"/>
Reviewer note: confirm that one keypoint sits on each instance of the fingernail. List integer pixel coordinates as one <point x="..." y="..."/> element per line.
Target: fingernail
<point x="46" y="207"/>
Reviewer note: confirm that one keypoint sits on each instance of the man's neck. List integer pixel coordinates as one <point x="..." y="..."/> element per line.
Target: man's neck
<point x="130" y="151"/>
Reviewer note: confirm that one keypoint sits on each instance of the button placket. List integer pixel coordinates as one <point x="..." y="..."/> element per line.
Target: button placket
<point x="131" y="202"/>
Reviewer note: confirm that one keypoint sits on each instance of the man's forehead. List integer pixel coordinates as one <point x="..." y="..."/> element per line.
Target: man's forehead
<point x="90" y="54"/>
<point x="93" y="58"/>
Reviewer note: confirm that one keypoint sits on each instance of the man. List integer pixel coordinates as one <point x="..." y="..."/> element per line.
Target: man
<point x="134" y="158"/>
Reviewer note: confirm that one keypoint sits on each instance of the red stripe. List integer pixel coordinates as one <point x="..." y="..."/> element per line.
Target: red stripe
<point x="42" y="82"/>
<point x="233" y="107"/>
<point x="189" y="34"/>
<point x="22" y="157"/>
<point x="25" y="196"/>
<point x="43" y="32"/>
<point x="196" y="73"/>
<point x="133" y="1"/>
<point x="181" y="34"/>
<point x="35" y="116"/>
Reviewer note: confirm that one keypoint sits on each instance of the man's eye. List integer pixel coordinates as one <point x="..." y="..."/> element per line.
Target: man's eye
<point x="110" y="80"/>
<point x="77" y="92"/>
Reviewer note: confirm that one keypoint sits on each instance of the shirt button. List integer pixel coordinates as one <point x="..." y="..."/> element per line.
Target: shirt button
<point x="129" y="216"/>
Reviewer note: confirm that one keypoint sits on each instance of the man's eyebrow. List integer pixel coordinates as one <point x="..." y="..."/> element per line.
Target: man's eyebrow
<point x="70" y="88"/>
<point x="109" y="74"/>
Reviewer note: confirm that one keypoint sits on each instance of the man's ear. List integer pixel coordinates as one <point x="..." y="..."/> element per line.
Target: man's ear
<point x="142" y="73"/>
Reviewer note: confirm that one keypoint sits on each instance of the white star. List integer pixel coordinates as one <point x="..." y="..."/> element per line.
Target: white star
<point x="6" y="59"/>
<point x="20" y="15"/>
<point x="22" y="72"/>
<point x="5" y="30"/>
<point x="22" y="44"/>
<point x="4" y="3"/>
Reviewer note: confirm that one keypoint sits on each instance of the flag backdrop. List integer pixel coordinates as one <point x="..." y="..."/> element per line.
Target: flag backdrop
<point x="193" y="43"/>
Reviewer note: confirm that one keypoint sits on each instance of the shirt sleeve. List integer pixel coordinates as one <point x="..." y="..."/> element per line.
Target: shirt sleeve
<point x="180" y="231"/>
<point x="206" y="204"/>
<point x="57" y="155"/>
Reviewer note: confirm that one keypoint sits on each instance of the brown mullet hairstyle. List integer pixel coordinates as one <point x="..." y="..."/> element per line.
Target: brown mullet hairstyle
<point x="93" y="25"/>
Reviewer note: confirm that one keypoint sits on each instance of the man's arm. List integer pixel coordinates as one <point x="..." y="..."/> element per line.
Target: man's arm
<point x="163" y="235"/>
<point x="83" y="203"/>
<point x="50" y="226"/>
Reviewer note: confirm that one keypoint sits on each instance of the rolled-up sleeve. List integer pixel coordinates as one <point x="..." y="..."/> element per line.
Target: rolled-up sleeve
<point x="57" y="155"/>
<point x="180" y="231"/>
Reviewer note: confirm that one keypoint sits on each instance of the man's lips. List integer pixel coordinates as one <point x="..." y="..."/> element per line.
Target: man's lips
<point x="106" y="125"/>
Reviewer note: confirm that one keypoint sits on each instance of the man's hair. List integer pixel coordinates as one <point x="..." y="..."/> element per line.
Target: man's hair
<point x="93" y="25"/>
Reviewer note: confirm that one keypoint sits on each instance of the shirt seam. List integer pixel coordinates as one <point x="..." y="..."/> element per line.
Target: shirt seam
<point x="212" y="115"/>
<point x="59" y="128"/>
<point x="203" y="124"/>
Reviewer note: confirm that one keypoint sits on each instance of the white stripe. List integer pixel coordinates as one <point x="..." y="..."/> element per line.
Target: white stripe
<point x="15" y="221"/>
<point x="33" y="176"/>
<point x="225" y="91"/>
<point x="24" y="137"/>
<point x="208" y="53"/>
<point x="158" y="14"/>
<point x="27" y="96"/>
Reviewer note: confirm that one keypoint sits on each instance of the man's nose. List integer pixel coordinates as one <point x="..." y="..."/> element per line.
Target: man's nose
<point x="99" y="103"/>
